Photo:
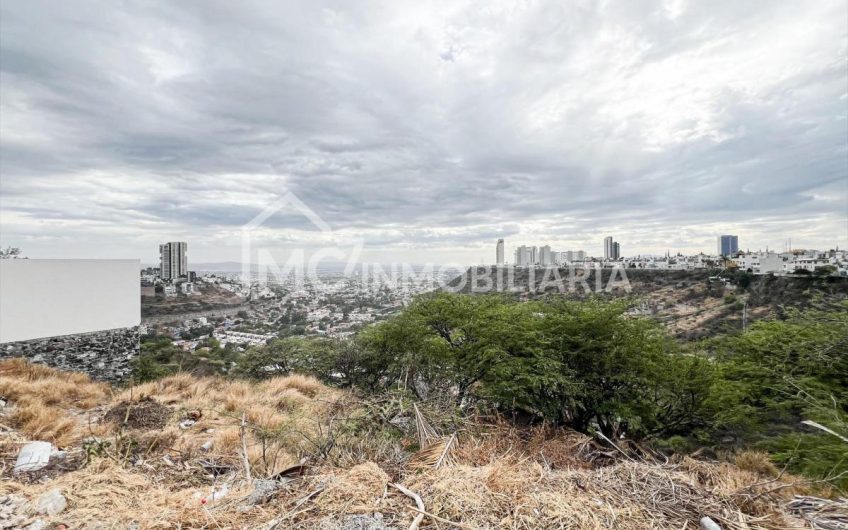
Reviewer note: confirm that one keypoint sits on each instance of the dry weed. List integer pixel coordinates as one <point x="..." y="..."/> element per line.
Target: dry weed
<point x="360" y="489"/>
<point x="757" y="462"/>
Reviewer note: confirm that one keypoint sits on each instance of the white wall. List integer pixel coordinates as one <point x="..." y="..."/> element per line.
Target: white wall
<point x="45" y="297"/>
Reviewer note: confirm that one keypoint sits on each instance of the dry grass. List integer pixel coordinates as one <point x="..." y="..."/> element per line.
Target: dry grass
<point x="45" y="402"/>
<point x="757" y="462"/>
<point x="107" y="495"/>
<point x="306" y="385"/>
<point x="21" y="380"/>
<point x="503" y="476"/>
<point x="40" y="422"/>
<point x="360" y="489"/>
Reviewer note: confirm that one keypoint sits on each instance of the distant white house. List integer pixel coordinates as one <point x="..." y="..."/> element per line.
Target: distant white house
<point x="807" y="264"/>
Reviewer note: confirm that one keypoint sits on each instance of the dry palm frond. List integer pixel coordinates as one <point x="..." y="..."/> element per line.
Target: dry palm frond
<point x="437" y="454"/>
<point x="427" y="435"/>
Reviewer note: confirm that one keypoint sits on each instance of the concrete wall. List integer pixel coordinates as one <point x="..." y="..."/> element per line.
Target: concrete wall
<point x="49" y="298"/>
<point x="80" y="315"/>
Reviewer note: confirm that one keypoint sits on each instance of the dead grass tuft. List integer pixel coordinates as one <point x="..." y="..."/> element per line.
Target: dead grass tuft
<point x="306" y="385"/>
<point x="47" y="402"/>
<point x="360" y="489"/>
<point x="756" y="462"/>
<point x="39" y="422"/>
<point x="20" y="380"/>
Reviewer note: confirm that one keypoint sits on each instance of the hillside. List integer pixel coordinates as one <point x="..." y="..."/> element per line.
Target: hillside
<point x="207" y="300"/>
<point x="688" y="303"/>
<point x="172" y="453"/>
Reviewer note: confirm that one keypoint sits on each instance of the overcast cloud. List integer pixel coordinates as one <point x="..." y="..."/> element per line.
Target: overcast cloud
<point x="428" y="130"/>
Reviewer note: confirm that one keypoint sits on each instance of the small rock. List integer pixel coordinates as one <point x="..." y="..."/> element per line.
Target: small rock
<point x="51" y="503"/>
<point x="185" y="424"/>
<point x="262" y="491"/>
<point x="207" y="446"/>
<point x="38" y="524"/>
<point x="33" y="456"/>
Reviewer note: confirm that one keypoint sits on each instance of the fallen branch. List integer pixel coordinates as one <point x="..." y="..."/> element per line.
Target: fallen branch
<point x="244" y="461"/>
<point x="418" y="502"/>
<point x="819" y="426"/>
<point x="599" y="433"/>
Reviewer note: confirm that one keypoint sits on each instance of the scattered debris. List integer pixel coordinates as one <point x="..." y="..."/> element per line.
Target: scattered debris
<point x="709" y="524"/>
<point x="822" y="514"/>
<point x="33" y="456"/>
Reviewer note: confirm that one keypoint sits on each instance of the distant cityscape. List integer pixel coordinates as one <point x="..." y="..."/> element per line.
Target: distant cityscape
<point x="246" y="311"/>
<point x="791" y="261"/>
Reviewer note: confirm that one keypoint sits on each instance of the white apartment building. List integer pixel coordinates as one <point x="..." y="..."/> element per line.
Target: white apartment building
<point x="760" y="262"/>
<point x="238" y="337"/>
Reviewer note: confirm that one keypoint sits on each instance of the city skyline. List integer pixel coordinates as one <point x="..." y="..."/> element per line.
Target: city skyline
<point x="423" y="130"/>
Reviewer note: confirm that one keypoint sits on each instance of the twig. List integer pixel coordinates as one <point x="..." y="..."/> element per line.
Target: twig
<point x="800" y="483"/>
<point x="418" y="502"/>
<point x="613" y="444"/>
<point x="819" y="426"/>
<point x="244" y="461"/>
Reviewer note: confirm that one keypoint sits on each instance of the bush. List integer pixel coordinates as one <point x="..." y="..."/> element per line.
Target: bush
<point x="582" y="364"/>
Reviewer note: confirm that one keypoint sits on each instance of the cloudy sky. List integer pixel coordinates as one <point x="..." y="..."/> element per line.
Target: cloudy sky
<point x="426" y="130"/>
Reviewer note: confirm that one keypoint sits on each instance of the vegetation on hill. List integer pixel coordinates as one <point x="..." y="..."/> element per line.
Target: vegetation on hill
<point x="590" y="366"/>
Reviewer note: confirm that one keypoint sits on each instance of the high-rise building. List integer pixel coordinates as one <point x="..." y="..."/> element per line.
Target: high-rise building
<point x="526" y="256"/>
<point x="611" y="249"/>
<point x="728" y="245"/>
<point x="545" y="258"/>
<point x="499" y="253"/>
<point x="172" y="260"/>
<point x="519" y="256"/>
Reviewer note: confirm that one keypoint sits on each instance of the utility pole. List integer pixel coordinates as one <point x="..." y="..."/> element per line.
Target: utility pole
<point x="745" y="316"/>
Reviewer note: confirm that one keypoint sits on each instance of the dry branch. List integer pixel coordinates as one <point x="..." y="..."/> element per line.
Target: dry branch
<point x="418" y="502"/>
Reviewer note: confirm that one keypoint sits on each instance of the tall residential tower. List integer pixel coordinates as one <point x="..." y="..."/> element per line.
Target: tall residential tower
<point x="728" y="245"/>
<point x="499" y="253"/>
<point x="612" y="250"/>
<point x="172" y="260"/>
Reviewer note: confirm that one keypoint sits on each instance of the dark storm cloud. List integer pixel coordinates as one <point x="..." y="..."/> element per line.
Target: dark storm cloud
<point x="439" y="126"/>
